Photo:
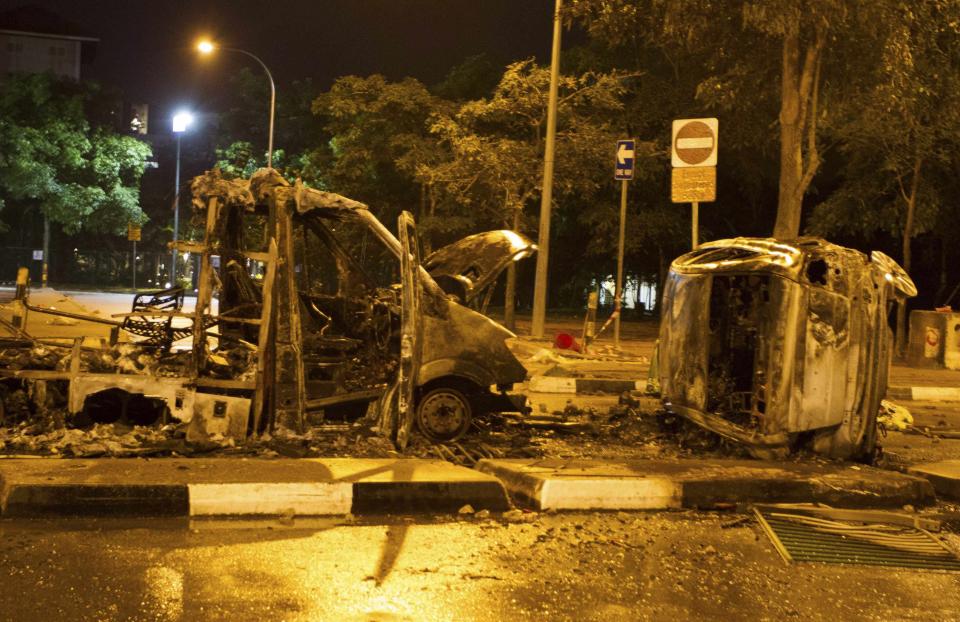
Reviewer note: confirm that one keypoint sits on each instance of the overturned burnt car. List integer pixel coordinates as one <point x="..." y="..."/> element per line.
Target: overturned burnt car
<point x="780" y="346"/>
<point x="308" y="310"/>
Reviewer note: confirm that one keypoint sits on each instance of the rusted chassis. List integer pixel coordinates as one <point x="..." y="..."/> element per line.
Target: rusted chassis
<point x="780" y="346"/>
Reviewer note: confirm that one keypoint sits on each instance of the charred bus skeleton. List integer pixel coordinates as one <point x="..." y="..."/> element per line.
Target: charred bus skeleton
<point x="779" y="345"/>
<point x="322" y="314"/>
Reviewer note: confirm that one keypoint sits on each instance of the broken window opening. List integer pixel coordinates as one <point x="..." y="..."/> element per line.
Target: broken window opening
<point x="739" y="314"/>
<point x="117" y="405"/>
<point x="817" y="272"/>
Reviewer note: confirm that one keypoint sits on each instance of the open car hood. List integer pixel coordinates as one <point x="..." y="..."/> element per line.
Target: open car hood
<point x="468" y="267"/>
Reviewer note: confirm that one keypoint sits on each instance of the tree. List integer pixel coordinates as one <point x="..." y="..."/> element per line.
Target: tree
<point x="242" y="131"/>
<point x="904" y="134"/>
<point x="379" y="134"/>
<point x="497" y="141"/>
<point x="80" y="176"/>
<point x="744" y="46"/>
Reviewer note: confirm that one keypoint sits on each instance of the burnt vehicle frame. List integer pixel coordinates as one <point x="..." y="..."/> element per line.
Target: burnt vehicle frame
<point x="780" y="346"/>
<point x="319" y="337"/>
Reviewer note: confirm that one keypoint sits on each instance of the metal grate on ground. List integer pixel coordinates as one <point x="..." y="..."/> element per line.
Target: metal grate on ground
<point x="811" y="539"/>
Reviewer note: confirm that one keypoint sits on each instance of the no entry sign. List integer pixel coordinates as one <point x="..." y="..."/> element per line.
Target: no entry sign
<point x="694" y="142"/>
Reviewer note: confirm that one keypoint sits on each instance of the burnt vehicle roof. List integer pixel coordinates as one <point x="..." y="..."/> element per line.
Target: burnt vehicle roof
<point x="787" y="259"/>
<point x="248" y="193"/>
<point x="765" y="254"/>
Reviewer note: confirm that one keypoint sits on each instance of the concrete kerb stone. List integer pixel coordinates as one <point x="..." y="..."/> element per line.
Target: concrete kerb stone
<point x="236" y="487"/>
<point x="572" y="385"/>
<point x="944" y="475"/>
<point x="931" y="394"/>
<point x="653" y="485"/>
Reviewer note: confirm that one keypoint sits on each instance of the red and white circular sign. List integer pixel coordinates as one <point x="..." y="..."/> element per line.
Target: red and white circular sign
<point x="694" y="142"/>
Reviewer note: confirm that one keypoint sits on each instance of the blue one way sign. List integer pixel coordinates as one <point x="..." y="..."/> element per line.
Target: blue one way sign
<point x="625" y="159"/>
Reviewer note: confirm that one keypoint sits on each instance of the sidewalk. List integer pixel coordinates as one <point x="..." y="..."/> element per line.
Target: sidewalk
<point x="605" y="370"/>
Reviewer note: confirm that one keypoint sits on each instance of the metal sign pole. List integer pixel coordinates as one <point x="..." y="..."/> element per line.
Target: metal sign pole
<point x="176" y="217"/>
<point x="695" y="225"/>
<point x="619" y="291"/>
<point x="134" y="266"/>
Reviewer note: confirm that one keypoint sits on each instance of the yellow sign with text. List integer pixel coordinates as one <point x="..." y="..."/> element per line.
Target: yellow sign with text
<point x="693" y="184"/>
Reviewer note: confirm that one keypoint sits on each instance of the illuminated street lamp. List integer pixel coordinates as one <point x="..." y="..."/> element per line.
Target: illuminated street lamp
<point x="207" y="47"/>
<point x="181" y="120"/>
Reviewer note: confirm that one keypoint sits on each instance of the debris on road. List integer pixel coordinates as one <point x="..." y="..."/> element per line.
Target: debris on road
<point x="894" y="416"/>
<point x="854" y="537"/>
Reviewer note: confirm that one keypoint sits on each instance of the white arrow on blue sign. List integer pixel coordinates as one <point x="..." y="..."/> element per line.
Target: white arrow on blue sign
<point x="626" y="156"/>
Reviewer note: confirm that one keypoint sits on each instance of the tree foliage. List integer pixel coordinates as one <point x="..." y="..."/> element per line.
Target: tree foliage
<point x="378" y="133"/>
<point x="80" y="176"/>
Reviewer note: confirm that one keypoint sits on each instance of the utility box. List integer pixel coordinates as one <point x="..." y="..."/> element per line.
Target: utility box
<point x="934" y="339"/>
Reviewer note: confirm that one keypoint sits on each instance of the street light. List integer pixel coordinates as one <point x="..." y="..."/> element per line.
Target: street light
<point x="546" y="197"/>
<point x="207" y="47"/>
<point x="181" y="120"/>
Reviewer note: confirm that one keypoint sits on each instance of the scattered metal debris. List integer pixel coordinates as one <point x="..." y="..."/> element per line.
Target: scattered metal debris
<point x="894" y="416"/>
<point x="855" y="537"/>
<point x="780" y="346"/>
<point x="466" y="453"/>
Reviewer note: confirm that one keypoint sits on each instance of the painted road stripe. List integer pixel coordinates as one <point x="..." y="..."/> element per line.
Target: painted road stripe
<point x="302" y="499"/>
<point x="639" y="493"/>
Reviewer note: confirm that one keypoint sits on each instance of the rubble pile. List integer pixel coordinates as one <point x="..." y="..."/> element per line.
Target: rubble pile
<point x="36" y="357"/>
<point x="100" y="440"/>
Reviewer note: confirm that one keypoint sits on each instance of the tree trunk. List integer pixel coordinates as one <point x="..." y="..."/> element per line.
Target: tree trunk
<point x="510" y="293"/>
<point x="911" y="201"/>
<point x="799" y="90"/>
<point x="942" y="283"/>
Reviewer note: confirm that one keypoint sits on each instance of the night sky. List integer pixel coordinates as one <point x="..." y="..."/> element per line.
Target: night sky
<point x="146" y="49"/>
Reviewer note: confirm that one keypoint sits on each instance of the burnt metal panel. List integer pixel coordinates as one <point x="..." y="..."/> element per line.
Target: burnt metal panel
<point x="763" y="340"/>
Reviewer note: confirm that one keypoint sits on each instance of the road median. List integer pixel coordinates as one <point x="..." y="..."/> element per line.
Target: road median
<point x="559" y="484"/>
<point x="230" y="487"/>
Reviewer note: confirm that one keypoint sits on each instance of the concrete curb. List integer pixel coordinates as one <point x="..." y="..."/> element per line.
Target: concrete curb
<point x="572" y="385"/>
<point x="251" y="488"/>
<point x="562" y="384"/>
<point x="656" y="485"/>
<point x="944" y="475"/>
<point x="924" y="393"/>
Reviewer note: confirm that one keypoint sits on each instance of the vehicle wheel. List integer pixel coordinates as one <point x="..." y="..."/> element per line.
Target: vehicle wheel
<point x="444" y="414"/>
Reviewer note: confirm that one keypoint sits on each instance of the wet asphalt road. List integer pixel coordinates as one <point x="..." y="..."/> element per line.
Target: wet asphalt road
<point x="610" y="567"/>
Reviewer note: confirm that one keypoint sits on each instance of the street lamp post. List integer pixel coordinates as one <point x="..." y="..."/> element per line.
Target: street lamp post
<point x="180" y="122"/>
<point x="208" y="47"/>
<point x="546" y="197"/>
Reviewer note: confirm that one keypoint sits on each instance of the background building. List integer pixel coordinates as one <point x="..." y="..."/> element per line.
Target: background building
<point x="33" y="40"/>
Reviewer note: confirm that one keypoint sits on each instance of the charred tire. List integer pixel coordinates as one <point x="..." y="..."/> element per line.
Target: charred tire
<point x="444" y="414"/>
